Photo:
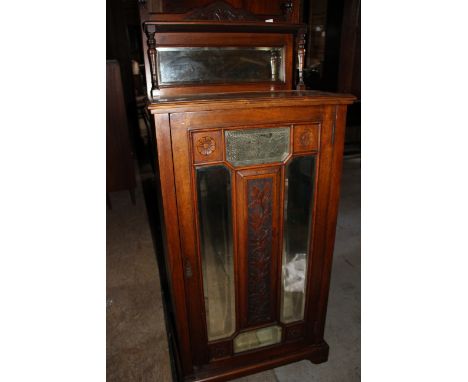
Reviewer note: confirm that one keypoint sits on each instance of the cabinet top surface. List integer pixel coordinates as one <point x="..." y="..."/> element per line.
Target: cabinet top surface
<point x="223" y="26"/>
<point x="251" y="99"/>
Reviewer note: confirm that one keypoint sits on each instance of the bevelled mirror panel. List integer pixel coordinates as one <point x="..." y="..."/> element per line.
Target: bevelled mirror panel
<point x="257" y="146"/>
<point x="210" y="65"/>
<point x="216" y="247"/>
<point x="257" y="338"/>
<point x="298" y="210"/>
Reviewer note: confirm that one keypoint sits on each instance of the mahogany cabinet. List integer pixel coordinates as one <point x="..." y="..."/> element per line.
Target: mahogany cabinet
<point x="248" y="175"/>
<point x="249" y="187"/>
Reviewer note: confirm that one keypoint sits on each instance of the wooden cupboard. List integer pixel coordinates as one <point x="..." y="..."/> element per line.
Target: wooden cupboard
<point x="249" y="193"/>
<point x="248" y="176"/>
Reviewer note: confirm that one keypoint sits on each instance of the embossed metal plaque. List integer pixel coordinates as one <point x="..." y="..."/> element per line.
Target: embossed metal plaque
<point x="191" y="65"/>
<point x="257" y="146"/>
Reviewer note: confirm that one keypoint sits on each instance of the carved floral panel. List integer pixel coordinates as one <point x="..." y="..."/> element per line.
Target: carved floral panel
<point x="259" y="249"/>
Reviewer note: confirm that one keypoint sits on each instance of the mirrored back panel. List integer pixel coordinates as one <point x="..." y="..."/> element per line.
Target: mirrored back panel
<point x="212" y="65"/>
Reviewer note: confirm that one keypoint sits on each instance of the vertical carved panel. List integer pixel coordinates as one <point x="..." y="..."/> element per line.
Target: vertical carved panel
<point x="258" y="220"/>
<point x="259" y="249"/>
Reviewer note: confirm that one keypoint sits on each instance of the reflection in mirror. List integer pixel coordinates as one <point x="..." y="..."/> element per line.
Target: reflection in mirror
<point x="184" y="65"/>
<point x="298" y="207"/>
<point x="216" y="249"/>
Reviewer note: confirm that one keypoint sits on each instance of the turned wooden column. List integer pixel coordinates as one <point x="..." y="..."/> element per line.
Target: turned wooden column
<point x="300" y="48"/>
<point x="150" y="31"/>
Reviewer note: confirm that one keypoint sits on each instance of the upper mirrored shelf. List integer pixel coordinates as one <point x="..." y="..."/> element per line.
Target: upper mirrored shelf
<point x="211" y="65"/>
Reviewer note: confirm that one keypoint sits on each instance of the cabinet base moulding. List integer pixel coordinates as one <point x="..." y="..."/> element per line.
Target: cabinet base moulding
<point x="316" y="354"/>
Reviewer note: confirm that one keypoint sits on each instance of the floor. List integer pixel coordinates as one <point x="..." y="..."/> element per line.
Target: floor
<point x="137" y="347"/>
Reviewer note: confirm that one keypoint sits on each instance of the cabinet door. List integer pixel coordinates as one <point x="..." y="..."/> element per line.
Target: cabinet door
<point x="252" y="192"/>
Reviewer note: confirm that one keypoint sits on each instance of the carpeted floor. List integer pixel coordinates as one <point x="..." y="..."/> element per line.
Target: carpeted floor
<point x="137" y="348"/>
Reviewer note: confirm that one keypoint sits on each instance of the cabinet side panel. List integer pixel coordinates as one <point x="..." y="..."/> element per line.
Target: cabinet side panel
<point x="185" y="185"/>
<point x="173" y="256"/>
<point x="319" y="227"/>
<point x="332" y="212"/>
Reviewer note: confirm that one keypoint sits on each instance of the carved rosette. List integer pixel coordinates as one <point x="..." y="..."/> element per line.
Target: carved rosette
<point x="304" y="139"/>
<point x="206" y="146"/>
<point x="259" y="250"/>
